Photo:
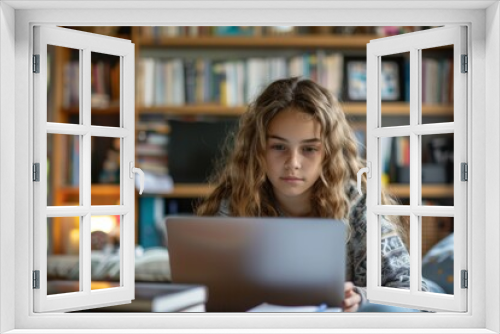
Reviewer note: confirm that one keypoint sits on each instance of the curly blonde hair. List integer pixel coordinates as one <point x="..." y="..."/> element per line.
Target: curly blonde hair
<point x="241" y="180"/>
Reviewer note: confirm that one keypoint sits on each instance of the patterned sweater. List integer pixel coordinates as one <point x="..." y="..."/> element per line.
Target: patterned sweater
<point x="395" y="257"/>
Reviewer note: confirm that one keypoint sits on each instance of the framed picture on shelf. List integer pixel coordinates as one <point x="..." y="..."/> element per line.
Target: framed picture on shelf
<point x="355" y="79"/>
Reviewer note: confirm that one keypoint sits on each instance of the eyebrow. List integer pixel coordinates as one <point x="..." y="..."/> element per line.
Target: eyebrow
<point x="312" y="140"/>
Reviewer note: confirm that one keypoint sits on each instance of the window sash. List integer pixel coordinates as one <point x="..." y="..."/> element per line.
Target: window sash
<point x="413" y="43"/>
<point x="86" y="43"/>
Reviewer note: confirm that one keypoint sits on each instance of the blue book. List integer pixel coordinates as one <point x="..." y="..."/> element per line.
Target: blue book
<point x="150" y="209"/>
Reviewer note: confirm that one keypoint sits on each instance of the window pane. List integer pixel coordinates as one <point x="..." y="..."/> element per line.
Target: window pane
<point x="394" y="246"/>
<point x="437" y="167"/>
<point x="105" y="245"/>
<point x="63" y="170"/>
<point x="395" y="168"/>
<point x="437" y="85"/>
<point x="394" y="87"/>
<point x="63" y="85"/>
<point x="105" y="82"/>
<point x="438" y="253"/>
<point x="105" y="172"/>
<point x="63" y="250"/>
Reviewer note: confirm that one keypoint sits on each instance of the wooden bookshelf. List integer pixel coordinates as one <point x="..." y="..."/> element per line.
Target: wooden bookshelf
<point x="99" y="192"/>
<point x="273" y="45"/>
<point x="271" y="42"/>
<point x="186" y="190"/>
<point x="400" y="190"/>
<point x="306" y="41"/>
<point x="428" y="190"/>
<point x="112" y="110"/>
<point x="350" y="108"/>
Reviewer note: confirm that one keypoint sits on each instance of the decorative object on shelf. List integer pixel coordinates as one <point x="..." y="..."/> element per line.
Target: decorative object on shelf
<point x="391" y="76"/>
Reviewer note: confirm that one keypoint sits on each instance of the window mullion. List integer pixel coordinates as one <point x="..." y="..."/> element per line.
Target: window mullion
<point x="414" y="253"/>
<point x="85" y="166"/>
<point x="415" y="166"/>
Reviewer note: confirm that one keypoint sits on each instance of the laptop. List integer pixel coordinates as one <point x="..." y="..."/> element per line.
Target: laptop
<point x="245" y="262"/>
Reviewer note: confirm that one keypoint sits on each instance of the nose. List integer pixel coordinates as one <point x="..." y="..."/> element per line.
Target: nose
<point x="293" y="161"/>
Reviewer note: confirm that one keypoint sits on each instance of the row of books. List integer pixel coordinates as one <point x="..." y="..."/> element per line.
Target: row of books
<point x="437" y="81"/>
<point x="69" y="157"/>
<point x="234" y="83"/>
<point x="157" y="33"/>
<point x="105" y="84"/>
<point x="395" y="160"/>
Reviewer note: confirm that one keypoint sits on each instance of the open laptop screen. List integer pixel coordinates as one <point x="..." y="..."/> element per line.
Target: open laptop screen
<point x="245" y="262"/>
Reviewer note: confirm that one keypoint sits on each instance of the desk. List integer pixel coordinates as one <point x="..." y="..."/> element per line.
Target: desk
<point x="145" y="294"/>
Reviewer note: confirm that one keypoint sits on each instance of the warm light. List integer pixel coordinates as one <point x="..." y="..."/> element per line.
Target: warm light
<point x="102" y="223"/>
<point x="74" y="241"/>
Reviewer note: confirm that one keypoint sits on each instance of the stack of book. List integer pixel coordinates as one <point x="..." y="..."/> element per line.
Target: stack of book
<point x="152" y="153"/>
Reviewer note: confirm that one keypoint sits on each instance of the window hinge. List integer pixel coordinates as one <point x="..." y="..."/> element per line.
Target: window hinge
<point x="464" y="171"/>
<point x="36" y="172"/>
<point x="36" y="279"/>
<point x="36" y="63"/>
<point x="465" y="64"/>
<point x="465" y="279"/>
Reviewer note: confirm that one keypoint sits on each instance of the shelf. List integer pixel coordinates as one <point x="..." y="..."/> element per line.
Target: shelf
<point x="202" y="190"/>
<point x="403" y="108"/>
<point x="186" y="190"/>
<point x="100" y="111"/>
<point x="428" y="190"/>
<point x="96" y="189"/>
<point x="192" y="110"/>
<point x="350" y="108"/>
<point x="300" y="41"/>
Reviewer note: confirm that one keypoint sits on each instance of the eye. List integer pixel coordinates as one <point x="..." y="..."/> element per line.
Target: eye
<point x="310" y="149"/>
<point x="278" y="147"/>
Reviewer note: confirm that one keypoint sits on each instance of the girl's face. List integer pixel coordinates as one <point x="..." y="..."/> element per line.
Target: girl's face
<point x="294" y="153"/>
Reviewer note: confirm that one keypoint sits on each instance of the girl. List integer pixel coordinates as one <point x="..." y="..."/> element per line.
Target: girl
<point x="295" y="155"/>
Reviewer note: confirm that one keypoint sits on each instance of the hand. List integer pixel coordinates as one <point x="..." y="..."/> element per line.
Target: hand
<point x="351" y="298"/>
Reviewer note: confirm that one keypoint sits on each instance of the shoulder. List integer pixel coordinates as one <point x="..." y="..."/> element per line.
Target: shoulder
<point x="224" y="208"/>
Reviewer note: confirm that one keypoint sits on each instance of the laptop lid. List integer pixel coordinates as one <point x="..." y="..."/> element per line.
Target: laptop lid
<point x="245" y="262"/>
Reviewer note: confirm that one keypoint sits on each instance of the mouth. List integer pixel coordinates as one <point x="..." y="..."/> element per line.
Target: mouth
<point x="292" y="179"/>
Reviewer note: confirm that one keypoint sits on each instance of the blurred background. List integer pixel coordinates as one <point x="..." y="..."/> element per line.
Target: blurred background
<point x="191" y="85"/>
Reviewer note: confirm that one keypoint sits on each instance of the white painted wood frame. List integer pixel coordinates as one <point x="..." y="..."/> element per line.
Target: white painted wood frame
<point x="414" y="43"/>
<point x="17" y="18"/>
<point x="86" y="43"/>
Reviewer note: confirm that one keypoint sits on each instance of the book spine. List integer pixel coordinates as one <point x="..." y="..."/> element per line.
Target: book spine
<point x="148" y="236"/>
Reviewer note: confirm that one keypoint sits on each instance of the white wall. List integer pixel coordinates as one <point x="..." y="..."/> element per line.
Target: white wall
<point x="7" y="160"/>
<point x="492" y="166"/>
<point x="23" y="218"/>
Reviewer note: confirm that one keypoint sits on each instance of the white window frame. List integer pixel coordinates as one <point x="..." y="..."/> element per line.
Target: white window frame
<point x="483" y="20"/>
<point x="85" y="43"/>
<point x="413" y="44"/>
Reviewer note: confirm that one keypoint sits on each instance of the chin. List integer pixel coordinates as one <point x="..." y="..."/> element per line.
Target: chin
<point x="292" y="192"/>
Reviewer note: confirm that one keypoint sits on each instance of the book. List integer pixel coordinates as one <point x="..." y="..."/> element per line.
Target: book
<point x="271" y="308"/>
<point x="181" y="297"/>
<point x="151" y="208"/>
